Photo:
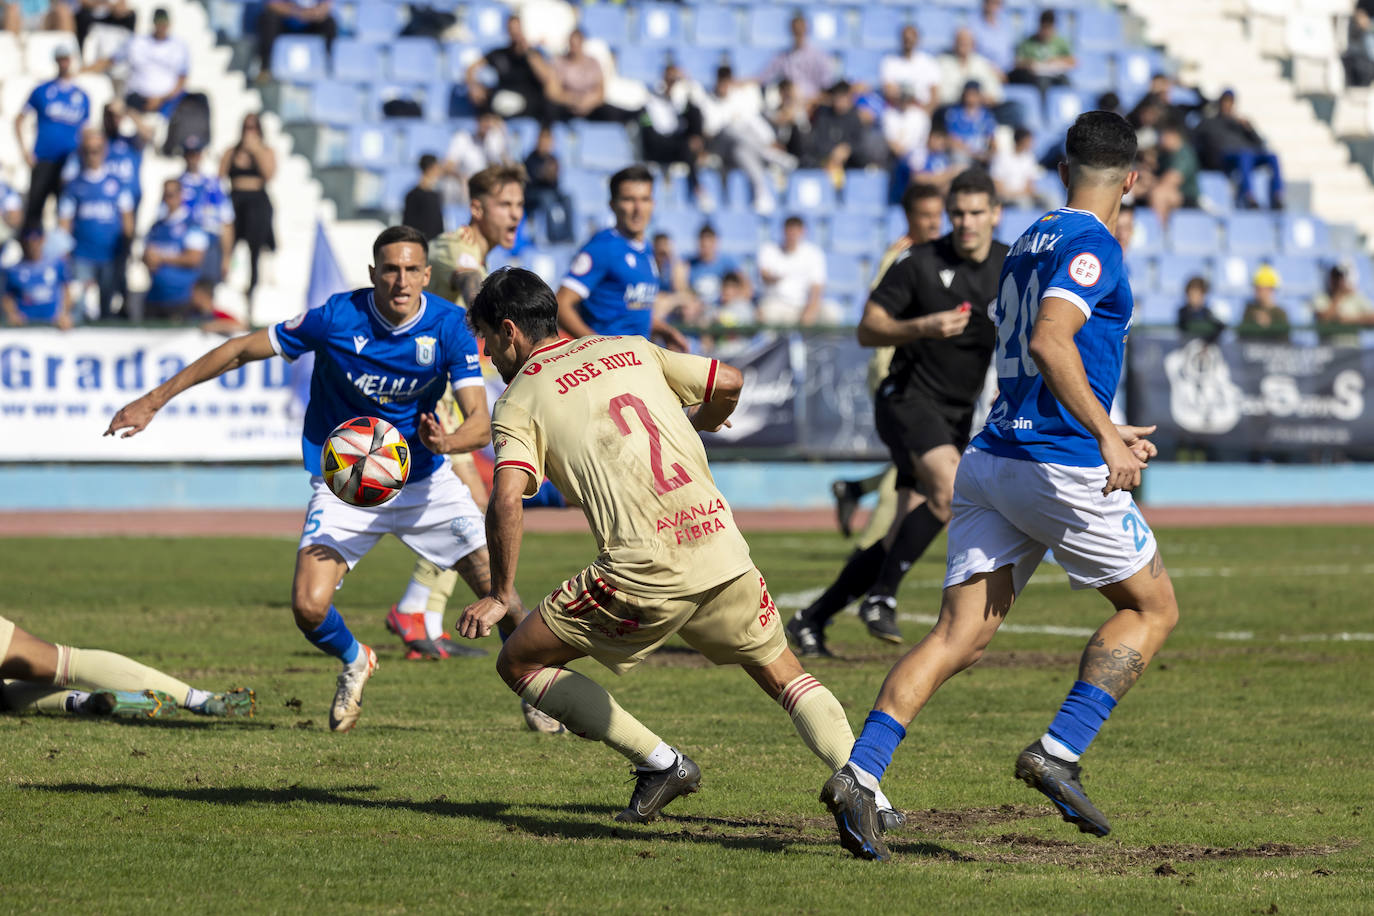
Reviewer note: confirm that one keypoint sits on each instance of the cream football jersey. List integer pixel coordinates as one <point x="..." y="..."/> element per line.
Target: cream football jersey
<point x="603" y="418"/>
<point x="448" y="253"/>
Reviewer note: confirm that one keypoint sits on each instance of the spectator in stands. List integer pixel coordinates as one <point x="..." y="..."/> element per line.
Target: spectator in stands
<point x="1016" y="171"/>
<point x="1359" y="49"/>
<point x="1195" y="316"/>
<point x="308" y="17"/>
<point x="1045" y="57"/>
<point x="737" y="131"/>
<point x="577" y="88"/>
<point x="794" y="276"/>
<point x="424" y="207"/>
<point x="1340" y="303"/>
<point x="964" y="65"/>
<point x="971" y="128"/>
<point x="174" y="253"/>
<point x="906" y="129"/>
<point x="248" y="166"/>
<point x="111" y="13"/>
<point x="61" y="108"/>
<point x="11" y="212"/>
<point x="1110" y="101"/>
<point x="210" y="208"/>
<point x="543" y="193"/>
<point x="1176" y="168"/>
<point x="97" y="211"/>
<point x="707" y="268"/>
<point x="1160" y="95"/>
<point x="939" y="168"/>
<point x="469" y="153"/>
<point x="840" y="138"/>
<point x="912" y="71"/>
<point x="736" y="307"/>
<point x="49" y="15"/>
<point x="158" y="65"/>
<point x="1228" y="142"/>
<point x="808" y="67"/>
<point x="791" y="119"/>
<point x="993" y="37"/>
<point x="35" y="289"/>
<point x="1124" y="233"/>
<point x="522" y="74"/>
<point x="675" y="300"/>
<point x="1264" y="317"/>
<point x="124" y="152"/>
<point x="671" y="126"/>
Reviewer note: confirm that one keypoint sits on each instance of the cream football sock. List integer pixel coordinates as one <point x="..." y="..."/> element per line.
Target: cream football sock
<point x="23" y="695"/>
<point x="588" y="710"/>
<point x="96" y="669"/>
<point x="819" y="719"/>
<point x="436" y="585"/>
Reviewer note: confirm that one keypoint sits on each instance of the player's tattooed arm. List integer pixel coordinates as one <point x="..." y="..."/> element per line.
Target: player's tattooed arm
<point x="505" y="523"/>
<point x="466" y="283"/>
<point x="1113" y="669"/>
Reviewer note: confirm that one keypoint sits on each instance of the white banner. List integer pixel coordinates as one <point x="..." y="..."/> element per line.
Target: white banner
<point x="58" y="391"/>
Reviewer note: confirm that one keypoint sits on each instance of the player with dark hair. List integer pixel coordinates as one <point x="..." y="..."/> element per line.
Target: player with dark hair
<point x="932" y="305"/>
<point x="603" y="417"/>
<point x="612" y="286"/>
<point x="388" y="351"/>
<point x="1049" y="471"/>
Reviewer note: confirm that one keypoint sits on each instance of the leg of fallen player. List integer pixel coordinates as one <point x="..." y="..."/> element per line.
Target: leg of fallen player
<point x="319" y="570"/>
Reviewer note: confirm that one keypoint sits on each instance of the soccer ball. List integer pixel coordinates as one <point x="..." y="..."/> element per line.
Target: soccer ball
<point x="366" y="461"/>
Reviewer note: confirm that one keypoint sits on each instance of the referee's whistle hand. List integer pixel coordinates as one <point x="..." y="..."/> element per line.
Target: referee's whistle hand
<point x="946" y="324"/>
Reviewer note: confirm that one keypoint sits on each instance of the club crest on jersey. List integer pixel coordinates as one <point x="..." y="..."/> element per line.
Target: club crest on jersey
<point x="947" y="276"/>
<point x="630" y="258"/>
<point x="424" y="350"/>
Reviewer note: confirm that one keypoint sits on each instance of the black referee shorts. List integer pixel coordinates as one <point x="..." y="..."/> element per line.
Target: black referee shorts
<point x="911" y="424"/>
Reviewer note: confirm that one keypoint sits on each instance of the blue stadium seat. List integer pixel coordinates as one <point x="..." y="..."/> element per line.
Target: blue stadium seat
<point x="371" y="146"/>
<point x="487" y="22"/>
<point x="738" y="234"/>
<point x="895" y="227"/>
<point x="700" y="63"/>
<point x="377" y="21"/>
<point x="937" y="25"/>
<point x="414" y="60"/>
<point x="855" y="234"/>
<point x="396" y="183"/>
<point x="356" y="61"/>
<point x="1149" y="234"/>
<point x="1193" y="232"/>
<point x="1158" y="308"/>
<point x="606" y="21"/>
<point x="828" y="26"/>
<point x="603" y="146"/>
<point x="1231" y="275"/>
<point x="810" y="191"/>
<point x="767" y="27"/>
<point x="1062" y="105"/>
<point x="1172" y="271"/>
<point x="660" y="25"/>
<point x="865" y="192"/>
<point x="716" y="26"/>
<point x="1032" y="111"/>
<point x="1251" y="233"/>
<point x="1015" y="220"/>
<point x="861" y="65"/>
<point x="524" y="132"/>
<point x="1215" y="192"/>
<point x="642" y="63"/>
<point x="749" y="61"/>
<point x="880" y="27"/>
<point x="420" y="137"/>
<point x="299" y="59"/>
<point x="844" y="277"/>
<point x="739" y="194"/>
<point x="1097" y="29"/>
<point x="1302" y="275"/>
<point x="1303" y="235"/>
<point x="1134" y="67"/>
<point x="458" y="58"/>
<point x="334" y="103"/>
<point x="1140" y="270"/>
<point x="1093" y="73"/>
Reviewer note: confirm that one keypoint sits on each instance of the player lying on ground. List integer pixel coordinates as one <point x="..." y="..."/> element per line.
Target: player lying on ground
<point x="1048" y="471"/>
<point x="45" y="675"/>
<point x="603" y="417"/>
<point x="387" y="352"/>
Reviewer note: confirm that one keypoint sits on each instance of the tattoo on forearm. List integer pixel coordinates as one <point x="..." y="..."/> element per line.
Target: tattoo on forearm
<point x="1113" y="670"/>
<point x="468" y="284"/>
<point x="475" y="568"/>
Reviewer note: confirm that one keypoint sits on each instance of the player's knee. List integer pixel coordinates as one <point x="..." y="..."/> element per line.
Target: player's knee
<point x="1164" y="616"/>
<point x="508" y="668"/>
<point x="309" y="606"/>
<point x="941" y="503"/>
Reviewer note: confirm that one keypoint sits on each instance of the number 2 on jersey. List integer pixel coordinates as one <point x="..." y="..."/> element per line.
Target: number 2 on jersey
<point x="662" y="482"/>
<point x="1015" y="314"/>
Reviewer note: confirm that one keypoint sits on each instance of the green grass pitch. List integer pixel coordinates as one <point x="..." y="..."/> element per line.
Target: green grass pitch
<point x="1237" y="774"/>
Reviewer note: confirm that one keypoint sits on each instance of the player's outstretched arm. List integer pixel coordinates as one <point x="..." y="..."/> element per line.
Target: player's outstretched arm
<point x="1056" y="356"/>
<point x="715" y="413"/>
<point x="473" y="433"/>
<point x="505" y="523"/>
<point x="134" y="416"/>
<point x="878" y="327"/>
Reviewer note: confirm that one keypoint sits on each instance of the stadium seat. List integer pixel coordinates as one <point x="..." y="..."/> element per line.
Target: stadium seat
<point x="1097" y="29"/>
<point x="396" y="184"/>
<point x="715" y="25"/>
<point x="524" y="133"/>
<point x="855" y="234"/>
<point x="414" y="60"/>
<point x="299" y="59"/>
<point x="865" y="192"/>
<point x="421" y="137"/>
<point x="700" y="63"/>
<point x="1192" y="232"/>
<point x="1172" y="271"/>
<point x="334" y="103"/>
<point x="606" y="21"/>
<point x="844" y="277"/>
<point x="894" y="225"/>
<point x="1303" y="235"/>
<point x="660" y="25"/>
<point x="641" y="63"/>
<point x="937" y="25"/>
<point x="1062" y="105"/>
<point x="749" y="61"/>
<point x="356" y="61"/>
<point x="738" y="234"/>
<point x="1231" y="275"/>
<point x="810" y="191"/>
<point x="879" y="27"/>
<point x="604" y="146"/>
<point x="1134" y="67"/>
<point x="1032" y="111"/>
<point x="1215" y="193"/>
<point x="1302" y="275"/>
<point x="377" y="20"/>
<point x="1250" y="233"/>
<point x="1015" y="220"/>
<point x="1093" y="74"/>
<point x="1158" y="308"/>
<point x="767" y="27"/>
<point x="827" y="26"/>
<point x="1140" y="272"/>
<point x="458" y="58"/>
<point x="487" y="22"/>
<point x="861" y="65"/>
<point x="371" y="146"/>
<point x="1149" y="234"/>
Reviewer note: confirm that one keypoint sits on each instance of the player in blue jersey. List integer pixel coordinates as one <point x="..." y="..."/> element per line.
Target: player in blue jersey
<point x="61" y="107"/>
<point x="97" y="210"/>
<point x="1049" y="471"/>
<point x="387" y="352"/>
<point x="612" y="285"/>
<point x="35" y="289"/>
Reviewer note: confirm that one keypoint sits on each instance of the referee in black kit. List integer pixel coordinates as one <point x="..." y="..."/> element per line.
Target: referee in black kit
<point x="933" y="305"/>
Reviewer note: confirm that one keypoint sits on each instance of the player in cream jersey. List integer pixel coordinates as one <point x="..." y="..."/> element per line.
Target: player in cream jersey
<point x="603" y="418"/>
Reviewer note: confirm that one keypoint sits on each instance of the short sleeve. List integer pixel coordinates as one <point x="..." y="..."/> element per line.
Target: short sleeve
<point x="893" y="292"/>
<point x="586" y="272"/>
<point x="196" y="240"/>
<point x="517" y="443"/>
<point x="306" y="332"/>
<point x="33" y="99"/>
<point x="691" y="378"/>
<point x="464" y="366"/>
<point x="1086" y="274"/>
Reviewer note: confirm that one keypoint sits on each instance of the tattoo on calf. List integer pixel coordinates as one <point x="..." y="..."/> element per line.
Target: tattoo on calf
<point x="1113" y="670"/>
<point x="1156" y="566"/>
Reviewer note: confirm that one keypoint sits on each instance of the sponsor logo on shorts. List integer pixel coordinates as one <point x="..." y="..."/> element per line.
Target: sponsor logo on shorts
<point x="461" y="528"/>
<point x="768" y="611"/>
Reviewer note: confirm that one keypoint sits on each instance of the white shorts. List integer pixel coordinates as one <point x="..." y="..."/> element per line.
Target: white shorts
<point x="1008" y="511"/>
<point x="434" y="517"/>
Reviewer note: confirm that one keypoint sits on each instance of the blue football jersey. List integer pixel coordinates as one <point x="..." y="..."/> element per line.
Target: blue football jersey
<point x="95" y="202"/>
<point x="364" y="366"/>
<point x="173" y="236"/>
<point x="37" y="288"/>
<point x="62" y="108"/>
<point x="204" y="196"/>
<point x="618" y="283"/>
<point x="1066" y="254"/>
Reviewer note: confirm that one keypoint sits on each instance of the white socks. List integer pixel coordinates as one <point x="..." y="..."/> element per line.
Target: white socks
<point x="660" y="758"/>
<point x="434" y="624"/>
<point x="1057" y="748"/>
<point x="196" y="698"/>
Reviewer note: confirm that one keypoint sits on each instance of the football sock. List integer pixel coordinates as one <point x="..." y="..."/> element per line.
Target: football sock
<point x="660" y="758"/>
<point x="587" y="710"/>
<point x="416" y="595"/>
<point x="877" y="743"/>
<point x="441" y="590"/>
<point x="918" y="529"/>
<point x="332" y="637"/>
<point x="196" y="698"/>
<point x="1080" y="718"/>
<point x="857" y="576"/>
<point x="819" y="719"/>
<point x="25" y="695"/>
<point x="100" y="670"/>
<point x="880" y="519"/>
<point x="434" y="624"/>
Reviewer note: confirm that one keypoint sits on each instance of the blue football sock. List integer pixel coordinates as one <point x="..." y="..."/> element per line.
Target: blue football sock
<point x="1081" y="716"/>
<point x="877" y="743"/>
<point x="333" y="637"/>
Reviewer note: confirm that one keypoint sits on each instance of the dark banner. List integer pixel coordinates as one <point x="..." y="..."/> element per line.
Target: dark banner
<point x="1251" y="396"/>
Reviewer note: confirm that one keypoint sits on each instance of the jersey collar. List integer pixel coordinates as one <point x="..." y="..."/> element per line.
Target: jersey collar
<point x="405" y="326"/>
<point x="553" y="346"/>
<point x="1085" y="213"/>
<point x="637" y="246"/>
